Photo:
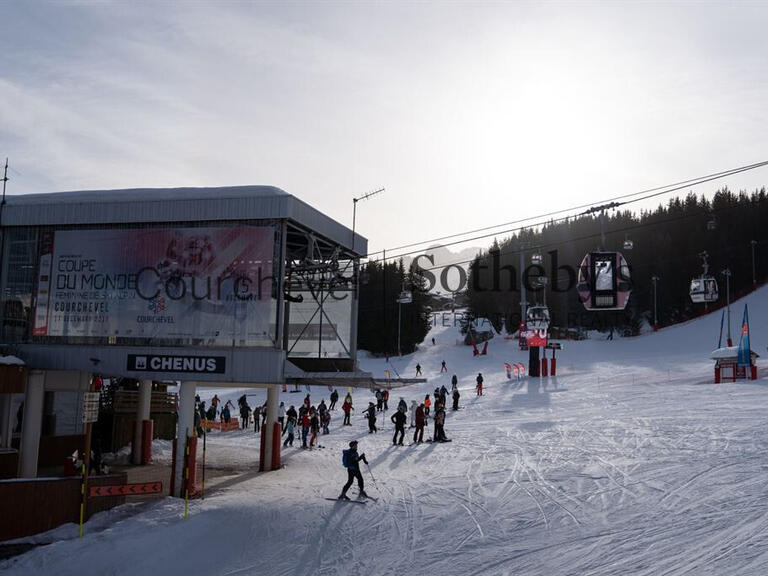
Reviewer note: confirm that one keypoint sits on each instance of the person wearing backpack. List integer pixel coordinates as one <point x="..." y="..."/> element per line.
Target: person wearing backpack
<point x="351" y="461"/>
<point x="398" y="419"/>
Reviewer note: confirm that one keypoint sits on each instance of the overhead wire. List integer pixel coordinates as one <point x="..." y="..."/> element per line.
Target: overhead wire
<point x="543" y="219"/>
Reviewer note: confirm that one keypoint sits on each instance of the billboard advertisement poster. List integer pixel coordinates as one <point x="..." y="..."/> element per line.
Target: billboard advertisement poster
<point x="204" y="283"/>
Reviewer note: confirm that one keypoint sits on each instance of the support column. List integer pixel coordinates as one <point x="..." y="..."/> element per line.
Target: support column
<point x="142" y="413"/>
<point x="186" y="427"/>
<point x="6" y="426"/>
<point x="273" y="399"/>
<point x="32" y="425"/>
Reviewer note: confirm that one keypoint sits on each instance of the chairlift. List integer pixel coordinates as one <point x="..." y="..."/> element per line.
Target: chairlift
<point x="536" y="258"/>
<point x="703" y="289"/>
<point x="537" y="318"/>
<point x="604" y="281"/>
<point x="628" y="244"/>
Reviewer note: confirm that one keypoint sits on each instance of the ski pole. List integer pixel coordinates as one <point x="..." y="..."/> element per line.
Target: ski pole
<point x="372" y="477"/>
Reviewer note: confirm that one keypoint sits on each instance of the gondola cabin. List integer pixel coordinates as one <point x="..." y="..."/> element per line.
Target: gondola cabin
<point x="604" y="281"/>
<point x="704" y="290"/>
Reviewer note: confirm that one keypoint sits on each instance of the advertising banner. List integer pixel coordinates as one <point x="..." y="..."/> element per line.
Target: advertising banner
<point x="213" y="284"/>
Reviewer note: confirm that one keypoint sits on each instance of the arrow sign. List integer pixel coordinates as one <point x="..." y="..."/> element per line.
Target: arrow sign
<point x="127" y="489"/>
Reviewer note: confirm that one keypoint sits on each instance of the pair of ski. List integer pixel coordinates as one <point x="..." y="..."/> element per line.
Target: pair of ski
<point x="358" y="501"/>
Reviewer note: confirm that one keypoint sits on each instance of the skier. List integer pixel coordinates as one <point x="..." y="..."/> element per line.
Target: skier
<point x="379" y="401"/>
<point x="291" y="413"/>
<point x="334" y="399"/>
<point x="307" y="402"/>
<point x="289" y="430"/>
<point x="414" y="407"/>
<point x="245" y="415"/>
<point x="444" y="395"/>
<point x="305" y="423"/>
<point x="351" y="461"/>
<point x="454" y="382"/>
<point x="443" y="367"/>
<point x="348" y="397"/>
<point x="439" y="435"/>
<point x="398" y="419"/>
<point x="433" y="341"/>
<point x="281" y="414"/>
<point x="456" y="397"/>
<point x="314" y="425"/>
<point x="480" y="384"/>
<point x="347" y="408"/>
<point x="418" y="369"/>
<point x="427" y="404"/>
<point x="215" y="404"/>
<point x="325" y="421"/>
<point x="371" y="415"/>
<point x="402" y="405"/>
<point x="385" y="397"/>
<point x="418" y="434"/>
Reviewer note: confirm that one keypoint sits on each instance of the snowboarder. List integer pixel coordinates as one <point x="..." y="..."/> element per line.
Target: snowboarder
<point x="456" y="397"/>
<point x="334" y="399"/>
<point x="398" y="419"/>
<point x="347" y="408"/>
<point x="351" y="461"/>
<point x="418" y="369"/>
<point x="418" y="434"/>
<point x="371" y="415"/>
<point x="414" y="407"/>
<point x="443" y="367"/>
<point x="480" y="384"/>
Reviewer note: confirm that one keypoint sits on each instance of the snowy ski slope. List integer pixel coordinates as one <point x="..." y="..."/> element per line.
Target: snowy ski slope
<point x="629" y="462"/>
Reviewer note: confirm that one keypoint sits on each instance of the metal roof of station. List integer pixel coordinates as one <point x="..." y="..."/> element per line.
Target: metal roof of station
<point x="157" y="205"/>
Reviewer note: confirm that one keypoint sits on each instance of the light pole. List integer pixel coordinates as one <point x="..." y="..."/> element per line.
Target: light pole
<point x="655" y="280"/>
<point x="753" y="243"/>
<point x="727" y="274"/>
<point x="405" y="297"/>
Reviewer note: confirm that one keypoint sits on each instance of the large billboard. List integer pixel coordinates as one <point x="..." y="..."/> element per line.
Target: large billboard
<point x="210" y="284"/>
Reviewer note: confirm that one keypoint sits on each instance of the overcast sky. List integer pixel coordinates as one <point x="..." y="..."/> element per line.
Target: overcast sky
<point x="469" y="114"/>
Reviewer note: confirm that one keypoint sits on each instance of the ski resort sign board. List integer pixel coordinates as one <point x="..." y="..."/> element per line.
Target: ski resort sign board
<point x="205" y="283"/>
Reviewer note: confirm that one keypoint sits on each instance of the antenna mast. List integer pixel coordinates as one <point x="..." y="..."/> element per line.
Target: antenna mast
<point x="354" y="210"/>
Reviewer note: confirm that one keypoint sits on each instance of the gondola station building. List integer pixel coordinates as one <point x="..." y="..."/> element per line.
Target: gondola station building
<point x="237" y="286"/>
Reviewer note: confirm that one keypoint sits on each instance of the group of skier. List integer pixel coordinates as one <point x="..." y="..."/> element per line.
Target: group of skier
<point x="311" y="420"/>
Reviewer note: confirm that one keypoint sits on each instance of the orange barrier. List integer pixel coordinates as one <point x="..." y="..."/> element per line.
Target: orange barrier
<point x="233" y="424"/>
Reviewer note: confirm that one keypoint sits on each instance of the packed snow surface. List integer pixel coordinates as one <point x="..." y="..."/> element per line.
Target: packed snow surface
<point x="630" y="461"/>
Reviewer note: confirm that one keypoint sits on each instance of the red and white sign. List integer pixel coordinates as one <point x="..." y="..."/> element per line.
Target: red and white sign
<point x="126" y="489"/>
